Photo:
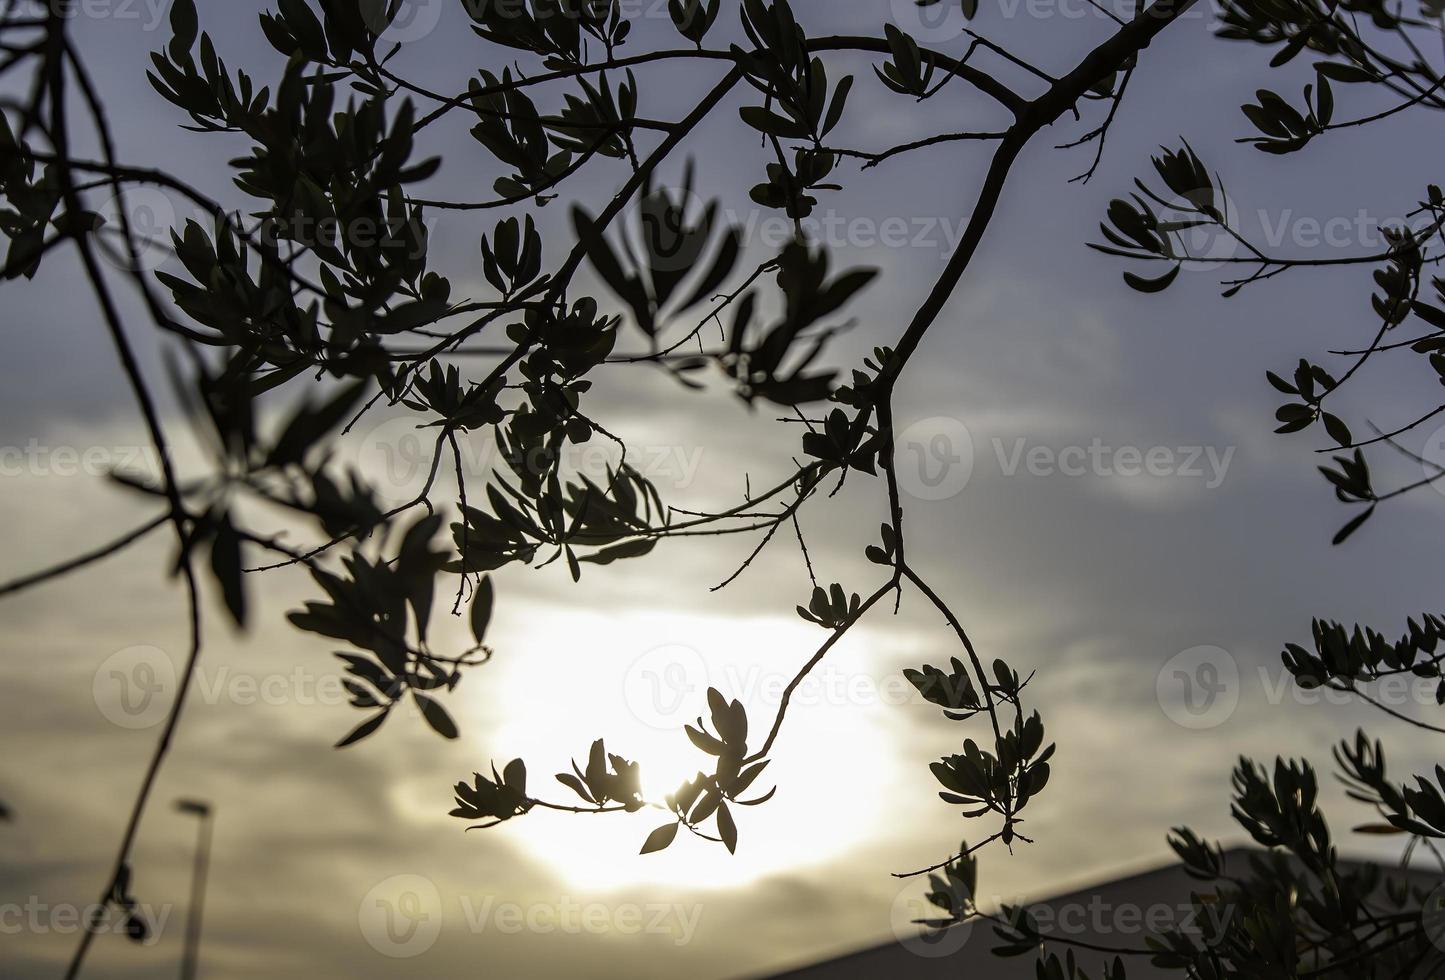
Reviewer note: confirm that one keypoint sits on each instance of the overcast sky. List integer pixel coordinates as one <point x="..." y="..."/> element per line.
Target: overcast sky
<point x="1105" y="581"/>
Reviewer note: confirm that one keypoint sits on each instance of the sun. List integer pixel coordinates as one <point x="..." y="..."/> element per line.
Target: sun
<point x="635" y="679"/>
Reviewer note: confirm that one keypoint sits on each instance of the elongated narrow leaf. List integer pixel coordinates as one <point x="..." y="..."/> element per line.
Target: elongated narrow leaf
<point x="1353" y="525"/>
<point x="226" y="566"/>
<point x="659" y="838"/>
<point x="482" y="609"/>
<point x="1151" y="285"/>
<point x="726" y="829"/>
<point x="362" y="730"/>
<point x="436" y="716"/>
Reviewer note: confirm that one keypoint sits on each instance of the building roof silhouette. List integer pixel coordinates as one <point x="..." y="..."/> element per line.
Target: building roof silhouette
<point x="1116" y="913"/>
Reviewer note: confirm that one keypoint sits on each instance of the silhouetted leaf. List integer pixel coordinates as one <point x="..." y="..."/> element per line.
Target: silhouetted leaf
<point x="1353" y="525"/>
<point x="659" y="838"/>
<point x="481" y="613"/>
<point x="436" y="716"/>
<point x="1337" y="429"/>
<point x="364" y="729"/>
<point x="184" y="23"/>
<point x="1152" y="285"/>
<point x="226" y="566"/>
<point x="1381" y="829"/>
<point x="726" y="829"/>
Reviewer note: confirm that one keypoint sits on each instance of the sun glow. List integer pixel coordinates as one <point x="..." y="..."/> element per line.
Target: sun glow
<point x="635" y="679"/>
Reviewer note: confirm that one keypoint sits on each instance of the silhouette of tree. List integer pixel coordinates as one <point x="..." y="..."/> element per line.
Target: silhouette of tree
<point x="288" y="296"/>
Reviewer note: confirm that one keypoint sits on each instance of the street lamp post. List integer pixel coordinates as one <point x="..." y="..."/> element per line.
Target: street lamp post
<point x="202" y="812"/>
